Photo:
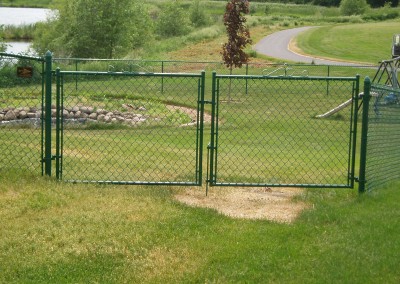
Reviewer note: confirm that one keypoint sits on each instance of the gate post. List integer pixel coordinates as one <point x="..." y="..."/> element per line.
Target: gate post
<point x="364" y="133"/>
<point x="211" y="145"/>
<point x="355" y="110"/>
<point x="47" y="117"/>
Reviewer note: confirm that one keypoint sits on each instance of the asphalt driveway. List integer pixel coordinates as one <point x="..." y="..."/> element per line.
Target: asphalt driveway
<point x="276" y="45"/>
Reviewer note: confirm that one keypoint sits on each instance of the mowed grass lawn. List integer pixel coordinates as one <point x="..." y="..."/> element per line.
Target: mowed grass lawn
<point x="54" y="232"/>
<point x="364" y="42"/>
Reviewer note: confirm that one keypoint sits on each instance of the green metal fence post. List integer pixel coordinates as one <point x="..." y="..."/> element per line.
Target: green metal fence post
<point x="58" y="121"/>
<point x="76" y="77"/>
<point x="211" y="145"/>
<point x="47" y="107"/>
<point x="364" y="134"/>
<point x="201" y="130"/>
<point x="42" y="115"/>
<point x="354" y="130"/>
<point x="247" y="73"/>
<point x="162" y="78"/>
<point x="327" y="82"/>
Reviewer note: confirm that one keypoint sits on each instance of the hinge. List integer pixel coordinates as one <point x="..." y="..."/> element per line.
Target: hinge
<point x="209" y="147"/>
<point x="206" y="102"/>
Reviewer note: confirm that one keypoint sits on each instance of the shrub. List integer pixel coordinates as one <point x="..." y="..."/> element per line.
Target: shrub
<point x="353" y="7"/>
<point x="197" y="15"/>
<point x="172" y="21"/>
<point x="3" y="45"/>
<point x="381" y="14"/>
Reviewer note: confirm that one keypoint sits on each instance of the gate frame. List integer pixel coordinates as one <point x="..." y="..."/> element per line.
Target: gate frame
<point x="199" y="124"/>
<point x="46" y="75"/>
<point x="213" y="151"/>
<point x="48" y="157"/>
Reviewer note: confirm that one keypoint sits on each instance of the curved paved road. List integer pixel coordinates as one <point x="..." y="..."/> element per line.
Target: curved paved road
<point x="276" y="45"/>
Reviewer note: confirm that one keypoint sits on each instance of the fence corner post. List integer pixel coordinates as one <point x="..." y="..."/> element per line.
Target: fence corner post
<point x="47" y="113"/>
<point x="364" y="134"/>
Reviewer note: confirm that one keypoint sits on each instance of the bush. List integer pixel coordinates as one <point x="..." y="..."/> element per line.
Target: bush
<point x="353" y="7"/>
<point x="327" y="3"/>
<point x="94" y="28"/>
<point x="382" y="14"/>
<point x="172" y="21"/>
<point x="3" y="45"/>
<point x="197" y="15"/>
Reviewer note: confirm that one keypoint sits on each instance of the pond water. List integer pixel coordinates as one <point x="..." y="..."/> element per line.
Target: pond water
<point x="18" y="47"/>
<point x="21" y="16"/>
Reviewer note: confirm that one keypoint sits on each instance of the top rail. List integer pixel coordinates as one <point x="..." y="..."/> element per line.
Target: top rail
<point x="125" y="73"/>
<point x="288" y="77"/>
<point x="22" y="56"/>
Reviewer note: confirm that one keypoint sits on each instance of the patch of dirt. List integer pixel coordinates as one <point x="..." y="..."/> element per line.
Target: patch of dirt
<point x="274" y="204"/>
<point x="191" y="112"/>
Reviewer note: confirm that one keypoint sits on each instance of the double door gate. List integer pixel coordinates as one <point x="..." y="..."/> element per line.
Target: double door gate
<point x="184" y="129"/>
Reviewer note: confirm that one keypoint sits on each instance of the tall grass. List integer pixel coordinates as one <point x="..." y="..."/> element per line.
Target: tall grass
<point x="24" y="3"/>
<point x="23" y="32"/>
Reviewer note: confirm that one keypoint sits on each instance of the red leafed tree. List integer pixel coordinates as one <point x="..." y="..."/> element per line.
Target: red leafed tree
<point x="238" y="34"/>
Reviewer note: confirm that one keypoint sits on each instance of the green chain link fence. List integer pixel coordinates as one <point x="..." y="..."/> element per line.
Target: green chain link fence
<point x="21" y="104"/>
<point x="382" y="162"/>
<point x="380" y="141"/>
<point x="281" y="125"/>
<point x="131" y="128"/>
<point x="281" y="131"/>
<point x="176" y="66"/>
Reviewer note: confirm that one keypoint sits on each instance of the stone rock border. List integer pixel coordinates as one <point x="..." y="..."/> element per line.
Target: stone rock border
<point x="78" y="114"/>
<point x="82" y="114"/>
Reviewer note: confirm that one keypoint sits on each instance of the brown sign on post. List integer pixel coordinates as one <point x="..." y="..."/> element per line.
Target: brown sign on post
<point x="25" y="71"/>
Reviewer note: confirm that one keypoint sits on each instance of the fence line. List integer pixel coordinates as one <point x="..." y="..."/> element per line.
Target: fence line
<point x="30" y="146"/>
<point x="381" y="137"/>
<point x="176" y="66"/>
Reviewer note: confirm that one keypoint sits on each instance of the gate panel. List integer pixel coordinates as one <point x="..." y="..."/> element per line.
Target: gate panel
<point x="21" y="104"/>
<point x="131" y="128"/>
<point x="283" y="131"/>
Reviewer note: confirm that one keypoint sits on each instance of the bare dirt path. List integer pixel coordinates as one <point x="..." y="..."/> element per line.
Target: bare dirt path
<point x="274" y="204"/>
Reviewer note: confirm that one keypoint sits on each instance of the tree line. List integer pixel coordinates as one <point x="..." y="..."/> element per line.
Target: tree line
<point x="333" y="3"/>
<point x="111" y="28"/>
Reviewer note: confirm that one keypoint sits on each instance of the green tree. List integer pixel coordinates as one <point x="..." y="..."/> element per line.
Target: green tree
<point x="3" y="46"/>
<point x="381" y="3"/>
<point x="173" y="20"/>
<point x="327" y="3"/>
<point x="197" y="15"/>
<point x="94" y="28"/>
<point x="353" y="7"/>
